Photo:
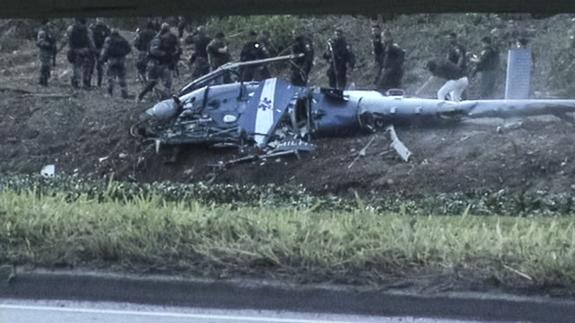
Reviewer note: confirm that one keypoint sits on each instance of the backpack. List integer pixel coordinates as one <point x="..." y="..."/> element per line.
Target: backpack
<point x="49" y="37"/>
<point x="79" y="37"/>
<point x="119" y="47"/>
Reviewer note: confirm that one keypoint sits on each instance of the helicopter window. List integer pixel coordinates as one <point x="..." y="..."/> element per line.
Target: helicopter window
<point x="214" y="104"/>
<point x="301" y="111"/>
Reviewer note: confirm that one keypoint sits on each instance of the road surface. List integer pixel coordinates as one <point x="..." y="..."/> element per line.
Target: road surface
<point x="16" y="311"/>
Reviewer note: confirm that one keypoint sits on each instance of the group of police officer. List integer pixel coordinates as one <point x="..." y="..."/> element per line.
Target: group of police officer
<point x="455" y="70"/>
<point x="159" y="51"/>
<point x="90" y="47"/>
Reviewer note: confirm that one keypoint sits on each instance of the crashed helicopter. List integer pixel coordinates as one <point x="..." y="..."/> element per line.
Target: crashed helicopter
<point x="272" y="117"/>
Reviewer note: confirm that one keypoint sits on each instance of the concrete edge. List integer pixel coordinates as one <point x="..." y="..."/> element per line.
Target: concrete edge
<point x="270" y="295"/>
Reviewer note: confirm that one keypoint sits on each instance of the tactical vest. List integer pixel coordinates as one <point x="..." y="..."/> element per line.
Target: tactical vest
<point x="49" y="37"/>
<point x="100" y="33"/>
<point x="79" y="37"/>
<point x="168" y="43"/>
<point x="119" y="47"/>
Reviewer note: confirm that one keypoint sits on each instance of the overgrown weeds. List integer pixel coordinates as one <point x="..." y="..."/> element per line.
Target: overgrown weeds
<point x="474" y="202"/>
<point x="150" y="234"/>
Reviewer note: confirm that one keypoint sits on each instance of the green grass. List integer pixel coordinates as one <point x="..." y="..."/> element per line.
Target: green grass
<point x="358" y="247"/>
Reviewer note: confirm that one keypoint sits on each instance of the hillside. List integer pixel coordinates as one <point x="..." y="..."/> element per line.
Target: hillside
<point x="86" y="133"/>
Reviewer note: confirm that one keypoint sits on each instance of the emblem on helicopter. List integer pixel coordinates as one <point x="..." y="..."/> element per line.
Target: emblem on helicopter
<point x="265" y="104"/>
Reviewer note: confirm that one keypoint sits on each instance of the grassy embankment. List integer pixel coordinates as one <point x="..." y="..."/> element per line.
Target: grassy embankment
<point x="359" y="246"/>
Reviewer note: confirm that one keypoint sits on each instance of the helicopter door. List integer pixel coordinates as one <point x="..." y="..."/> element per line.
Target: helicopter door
<point x="265" y="109"/>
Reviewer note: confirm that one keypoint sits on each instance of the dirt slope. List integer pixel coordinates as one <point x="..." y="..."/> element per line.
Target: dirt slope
<point x="86" y="133"/>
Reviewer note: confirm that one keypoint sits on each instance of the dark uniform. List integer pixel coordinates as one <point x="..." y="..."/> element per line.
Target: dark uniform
<point x="456" y="83"/>
<point x="339" y="55"/>
<point x="253" y="50"/>
<point x="181" y="26"/>
<point x="445" y="70"/>
<point x="114" y="52"/>
<point x="377" y="48"/>
<point x="171" y="43"/>
<point x="46" y="42"/>
<point x="163" y="50"/>
<point x="301" y="66"/>
<point x="487" y="68"/>
<point x="100" y="32"/>
<point x="81" y="52"/>
<point x="392" y="58"/>
<point x="142" y="44"/>
<point x="199" y="56"/>
<point x="156" y="24"/>
<point x="218" y="55"/>
<point x="456" y="54"/>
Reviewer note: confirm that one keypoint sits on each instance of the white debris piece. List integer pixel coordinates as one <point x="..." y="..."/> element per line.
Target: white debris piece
<point x="396" y="144"/>
<point x="48" y="171"/>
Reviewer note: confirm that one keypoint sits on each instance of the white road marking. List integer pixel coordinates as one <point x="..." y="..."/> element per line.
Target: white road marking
<point x="265" y="113"/>
<point x="163" y="314"/>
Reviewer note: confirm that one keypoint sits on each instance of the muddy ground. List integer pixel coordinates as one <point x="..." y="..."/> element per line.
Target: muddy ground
<point x="86" y="133"/>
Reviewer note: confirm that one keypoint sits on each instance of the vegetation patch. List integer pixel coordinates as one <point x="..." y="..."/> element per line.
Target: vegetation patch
<point x="355" y="246"/>
<point x="502" y="202"/>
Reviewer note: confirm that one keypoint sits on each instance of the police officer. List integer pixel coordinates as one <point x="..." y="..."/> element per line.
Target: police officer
<point x="218" y="54"/>
<point x="162" y="51"/>
<point x="142" y="44"/>
<point x="456" y="53"/>
<point x="182" y="23"/>
<point x="81" y="52"/>
<point x="100" y="32"/>
<point x="114" y="52"/>
<point x="199" y="56"/>
<point x="339" y="56"/>
<point x="392" y="58"/>
<point x="377" y="48"/>
<point x="487" y="64"/>
<point x="171" y="44"/>
<point x="156" y="24"/>
<point x="265" y="39"/>
<point x="46" y="42"/>
<point x="301" y="66"/>
<point x="253" y="50"/>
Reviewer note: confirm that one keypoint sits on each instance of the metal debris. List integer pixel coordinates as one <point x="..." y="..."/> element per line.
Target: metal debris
<point x="362" y="152"/>
<point x="396" y="144"/>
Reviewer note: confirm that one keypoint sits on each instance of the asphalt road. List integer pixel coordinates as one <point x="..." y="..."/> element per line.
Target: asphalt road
<point x="15" y="311"/>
